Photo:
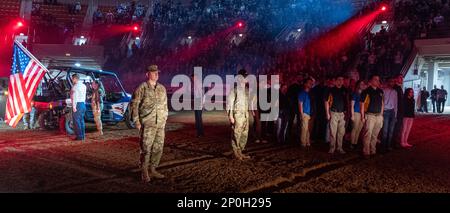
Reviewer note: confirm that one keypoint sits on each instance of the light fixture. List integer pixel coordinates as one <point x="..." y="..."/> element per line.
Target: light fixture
<point x="240" y="35"/>
<point x="189" y="37"/>
<point x="67" y="54"/>
<point x="81" y="36"/>
<point x="137" y="38"/>
<point x="384" y="22"/>
<point x="77" y="64"/>
<point x="21" y="34"/>
<point x="299" y="30"/>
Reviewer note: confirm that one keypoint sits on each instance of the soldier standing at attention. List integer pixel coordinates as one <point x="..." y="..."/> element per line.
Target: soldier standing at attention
<point x="97" y="104"/>
<point x="238" y="114"/>
<point x="149" y="112"/>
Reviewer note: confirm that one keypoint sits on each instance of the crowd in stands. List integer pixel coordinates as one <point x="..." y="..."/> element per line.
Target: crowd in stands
<point x="50" y="30"/>
<point x="386" y="51"/>
<point x="257" y="46"/>
<point x="124" y="13"/>
<point x="253" y="46"/>
<point x="74" y="8"/>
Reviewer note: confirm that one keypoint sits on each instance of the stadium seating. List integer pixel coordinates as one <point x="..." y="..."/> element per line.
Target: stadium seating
<point x="9" y="8"/>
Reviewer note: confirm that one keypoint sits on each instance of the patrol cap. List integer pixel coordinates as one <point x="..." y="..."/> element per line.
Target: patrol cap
<point x="153" y="68"/>
<point x="243" y="72"/>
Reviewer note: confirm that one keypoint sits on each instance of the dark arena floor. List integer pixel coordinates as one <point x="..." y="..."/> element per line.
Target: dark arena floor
<point x="47" y="161"/>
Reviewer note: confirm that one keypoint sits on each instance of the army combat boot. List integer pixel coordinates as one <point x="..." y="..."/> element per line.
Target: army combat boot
<point x="144" y="176"/>
<point x="156" y="174"/>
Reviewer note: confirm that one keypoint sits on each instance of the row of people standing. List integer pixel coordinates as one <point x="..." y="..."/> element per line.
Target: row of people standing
<point x="381" y="114"/>
<point x="438" y="98"/>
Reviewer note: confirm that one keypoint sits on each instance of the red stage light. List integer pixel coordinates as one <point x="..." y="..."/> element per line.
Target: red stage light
<point x="135" y="28"/>
<point x="240" y="24"/>
<point x="19" y="24"/>
<point x="383" y="8"/>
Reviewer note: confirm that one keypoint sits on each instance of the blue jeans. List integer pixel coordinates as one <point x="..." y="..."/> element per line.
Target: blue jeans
<point x="78" y="121"/>
<point x="29" y="121"/>
<point x="388" y="128"/>
<point x="199" y="122"/>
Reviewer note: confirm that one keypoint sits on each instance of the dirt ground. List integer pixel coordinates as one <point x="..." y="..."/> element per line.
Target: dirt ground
<point x="47" y="161"/>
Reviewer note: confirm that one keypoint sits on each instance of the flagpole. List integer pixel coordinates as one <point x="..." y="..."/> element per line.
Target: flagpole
<point x="29" y="54"/>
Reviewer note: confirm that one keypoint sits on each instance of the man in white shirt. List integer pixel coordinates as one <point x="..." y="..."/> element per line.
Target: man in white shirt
<point x="78" y="98"/>
<point x="389" y="115"/>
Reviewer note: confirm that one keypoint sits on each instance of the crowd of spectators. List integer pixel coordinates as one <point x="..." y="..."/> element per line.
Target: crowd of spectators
<point x="178" y="37"/>
<point x="385" y="52"/>
<point x="124" y="13"/>
<point x="254" y="46"/>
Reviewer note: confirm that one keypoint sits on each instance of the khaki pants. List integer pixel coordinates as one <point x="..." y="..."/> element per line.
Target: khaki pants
<point x="98" y="120"/>
<point x="374" y="123"/>
<point x="357" y="127"/>
<point x="151" y="143"/>
<point x="240" y="131"/>
<point x="337" y="130"/>
<point x="304" y="138"/>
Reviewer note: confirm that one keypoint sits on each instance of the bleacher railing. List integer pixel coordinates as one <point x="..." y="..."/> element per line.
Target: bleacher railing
<point x="410" y="61"/>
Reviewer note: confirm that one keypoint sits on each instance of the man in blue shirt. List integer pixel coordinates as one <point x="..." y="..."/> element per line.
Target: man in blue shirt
<point x="355" y="111"/>
<point x="304" y="105"/>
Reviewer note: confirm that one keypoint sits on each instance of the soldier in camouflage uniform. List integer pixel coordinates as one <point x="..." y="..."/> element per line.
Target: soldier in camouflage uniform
<point x="149" y="112"/>
<point x="238" y="114"/>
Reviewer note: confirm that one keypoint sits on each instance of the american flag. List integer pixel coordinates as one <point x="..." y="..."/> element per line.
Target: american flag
<point x="26" y="74"/>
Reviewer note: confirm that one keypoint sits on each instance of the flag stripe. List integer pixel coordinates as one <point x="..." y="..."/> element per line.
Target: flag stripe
<point x="29" y="77"/>
<point x="26" y="75"/>
<point x="29" y="66"/>
<point x="10" y="108"/>
<point x="15" y="95"/>
<point x="23" y="98"/>
<point x="13" y="122"/>
<point x="35" y="83"/>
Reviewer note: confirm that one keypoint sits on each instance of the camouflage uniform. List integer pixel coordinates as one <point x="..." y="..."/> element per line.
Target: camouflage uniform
<point x="149" y="108"/>
<point x="97" y="108"/>
<point x="237" y="108"/>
